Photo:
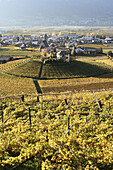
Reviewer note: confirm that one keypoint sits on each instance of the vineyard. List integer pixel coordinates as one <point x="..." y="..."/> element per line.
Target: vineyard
<point x="20" y="75"/>
<point x="22" y="68"/>
<point x="68" y="131"/>
<point x="54" y="130"/>
<point x="12" y="85"/>
<point x="77" y="68"/>
<point x="74" y="69"/>
<point x="76" y="84"/>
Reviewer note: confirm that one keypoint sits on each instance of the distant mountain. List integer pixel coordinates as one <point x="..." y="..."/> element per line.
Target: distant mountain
<point x="56" y="12"/>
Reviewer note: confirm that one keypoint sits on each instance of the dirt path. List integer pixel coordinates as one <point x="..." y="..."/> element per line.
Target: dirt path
<point x="37" y="86"/>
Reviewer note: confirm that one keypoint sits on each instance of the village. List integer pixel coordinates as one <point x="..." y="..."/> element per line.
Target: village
<point x="60" y="46"/>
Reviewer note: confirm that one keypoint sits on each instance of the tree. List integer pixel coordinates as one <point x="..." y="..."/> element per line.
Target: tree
<point x="73" y="51"/>
<point x="50" y="55"/>
<point x="54" y="49"/>
<point x="44" y="53"/>
<point x="109" y="54"/>
<point x="18" y="38"/>
<point x="100" y="50"/>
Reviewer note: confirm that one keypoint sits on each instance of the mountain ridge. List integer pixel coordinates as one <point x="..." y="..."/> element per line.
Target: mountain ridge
<point x="56" y="12"/>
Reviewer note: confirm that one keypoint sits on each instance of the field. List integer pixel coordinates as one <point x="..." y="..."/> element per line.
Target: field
<point x="76" y="84"/>
<point x="80" y="67"/>
<point x="81" y="30"/>
<point x="76" y="68"/>
<point x="15" y="52"/>
<point x="104" y="47"/>
<point x="49" y="134"/>
<point x="22" y="68"/>
<point x="14" y="86"/>
<point x="83" y="73"/>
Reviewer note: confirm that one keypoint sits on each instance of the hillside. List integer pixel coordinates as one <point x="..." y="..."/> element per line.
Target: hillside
<point x="53" y="69"/>
<point x="49" y="134"/>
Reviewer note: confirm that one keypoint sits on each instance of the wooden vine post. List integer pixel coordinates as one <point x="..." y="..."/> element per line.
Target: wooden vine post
<point x="3" y="121"/>
<point x="22" y="98"/>
<point x="68" y="125"/>
<point x="66" y="101"/>
<point x="38" y="99"/>
<point x="98" y="102"/>
<point x="68" y="120"/>
<point x="30" y="117"/>
<point x="109" y="107"/>
<point x="47" y="139"/>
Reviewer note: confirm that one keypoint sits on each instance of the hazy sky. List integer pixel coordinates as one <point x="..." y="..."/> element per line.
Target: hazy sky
<point x="20" y="9"/>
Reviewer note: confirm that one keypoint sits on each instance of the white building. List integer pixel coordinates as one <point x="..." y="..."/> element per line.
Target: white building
<point x="63" y="55"/>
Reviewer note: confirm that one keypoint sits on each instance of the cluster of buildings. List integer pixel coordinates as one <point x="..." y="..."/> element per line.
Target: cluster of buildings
<point x="59" y="45"/>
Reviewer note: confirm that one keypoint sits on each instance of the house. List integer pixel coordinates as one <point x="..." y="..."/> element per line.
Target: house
<point x="97" y="41"/>
<point x="79" y="51"/>
<point x="90" y="51"/>
<point x="72" y="36"/>
<point x="64" y="56"/>
<point x="44" y="44"/>
<point x="23" y="47"/>
<point x="35" y="43"/>
<point x="4" y="59"/>
<point x="107" y="40"/>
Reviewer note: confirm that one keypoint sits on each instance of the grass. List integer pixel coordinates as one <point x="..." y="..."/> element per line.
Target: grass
<point x="93" y="45"/>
